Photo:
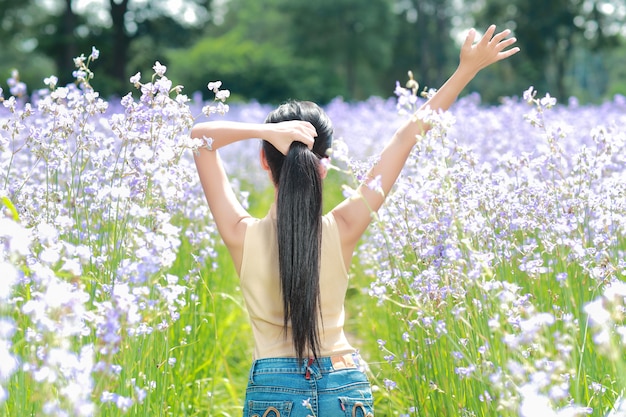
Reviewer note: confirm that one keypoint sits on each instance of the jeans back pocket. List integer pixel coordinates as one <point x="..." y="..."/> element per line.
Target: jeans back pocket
<point x="269" y="408"/>
<point x="357" y="407"/>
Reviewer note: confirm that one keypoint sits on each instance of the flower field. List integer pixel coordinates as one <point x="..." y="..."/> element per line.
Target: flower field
<point x="491" y="283"/>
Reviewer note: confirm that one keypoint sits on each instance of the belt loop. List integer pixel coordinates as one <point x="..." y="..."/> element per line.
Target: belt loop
<point x="251" y="376"/>
<point x="308" y="369"/>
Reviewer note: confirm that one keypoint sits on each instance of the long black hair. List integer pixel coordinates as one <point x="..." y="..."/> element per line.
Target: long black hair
<point x="299" y="222"/>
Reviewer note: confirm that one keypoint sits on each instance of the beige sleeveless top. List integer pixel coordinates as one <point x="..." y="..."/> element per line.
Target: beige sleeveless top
<point x="260" y="284"/>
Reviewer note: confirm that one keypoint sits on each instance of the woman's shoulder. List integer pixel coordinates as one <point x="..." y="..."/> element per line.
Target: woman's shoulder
<point x="260" y="224"/>
<point x="329" y="220"/>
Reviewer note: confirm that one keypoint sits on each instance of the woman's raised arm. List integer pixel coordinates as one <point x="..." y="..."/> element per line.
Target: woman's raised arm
<point x="354" y="214"/>
<point x="228" y="213"/>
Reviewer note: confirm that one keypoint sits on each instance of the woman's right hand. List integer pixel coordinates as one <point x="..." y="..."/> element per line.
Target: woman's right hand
<point x="282" y="134"/>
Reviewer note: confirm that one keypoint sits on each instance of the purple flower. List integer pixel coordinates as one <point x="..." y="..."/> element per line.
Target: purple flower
<point x="94" y="53"/>
<point x="529" y="94"/>
<point x="465" y="372"/>
<point x="389" y="384"/>
<point x="16" y="87"/>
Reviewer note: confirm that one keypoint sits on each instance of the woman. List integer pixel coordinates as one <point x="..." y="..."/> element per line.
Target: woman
<point x="293" y="264"/>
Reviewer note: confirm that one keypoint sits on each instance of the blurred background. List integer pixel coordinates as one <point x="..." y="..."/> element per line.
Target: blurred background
<point x="272" y="50"/>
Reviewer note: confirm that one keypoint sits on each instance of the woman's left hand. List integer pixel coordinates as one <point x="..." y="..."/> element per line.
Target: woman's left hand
<point x="489" y="49"/>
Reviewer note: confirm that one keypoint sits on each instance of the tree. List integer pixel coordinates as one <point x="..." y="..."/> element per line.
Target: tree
<point x="121" y="39"/>
<point x="423" y="43"/>
<point x="548" y="32"/>
<point x="251" y="52"/>
<point x="18" y="21"/>
<point x="352" y="40"/>
<point x="297" y="49"/>
<point x="63" y="30"/>
<point x="250" y="69"/>
<point x="58" y="37"/>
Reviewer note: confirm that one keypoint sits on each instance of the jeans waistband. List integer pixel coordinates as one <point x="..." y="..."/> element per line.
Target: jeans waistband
<point x="303" y="366"/>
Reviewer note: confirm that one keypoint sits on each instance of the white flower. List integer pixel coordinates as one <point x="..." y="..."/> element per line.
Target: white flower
<point x="47" y="233"/>
<point x="222" y="95"/>
<point x="60" y="93"/>
<point x="51" y="81"/>
<point x="8" y="363"/>
<point x="135" y="78"/>
<point x="597" y="313"/>
<point x="616" y="292"/>
<point x="18" y="237"/>
<point x="159" y="69"/>
<point x="9" y="279"/>
<point x="214" y="86"/>
<point x="143" y="152"/>
<point x="534" y="404"/>
<point x="548" y="101"/>
<point x="72" y="266"/>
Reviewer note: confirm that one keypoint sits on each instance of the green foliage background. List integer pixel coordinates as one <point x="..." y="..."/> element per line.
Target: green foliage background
<point x="272" y="50"/>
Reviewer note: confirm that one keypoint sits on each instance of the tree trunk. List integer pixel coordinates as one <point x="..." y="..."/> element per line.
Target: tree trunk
<point x="352" y="44"/>
<point x="424" y="53"/>
<point x="65" y="59"/>
<point x="121" y="42"/>
<point x="443" y="29"/>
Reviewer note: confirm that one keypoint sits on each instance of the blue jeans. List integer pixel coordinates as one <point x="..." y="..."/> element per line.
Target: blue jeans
<point x="329" y="387"/>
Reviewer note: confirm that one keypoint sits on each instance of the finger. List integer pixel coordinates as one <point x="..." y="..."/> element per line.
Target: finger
<point x="311" y="129"/>
<point x="508" y="53"/>
<point x="469" y="39"/>
<point x="307" y="139"/>
<point x="488" y="35"/>
<point x="310" y="143"/>
<point x="305" y="128"/>
<point x="506" y="43"/>
<point x="497" y="38"/>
